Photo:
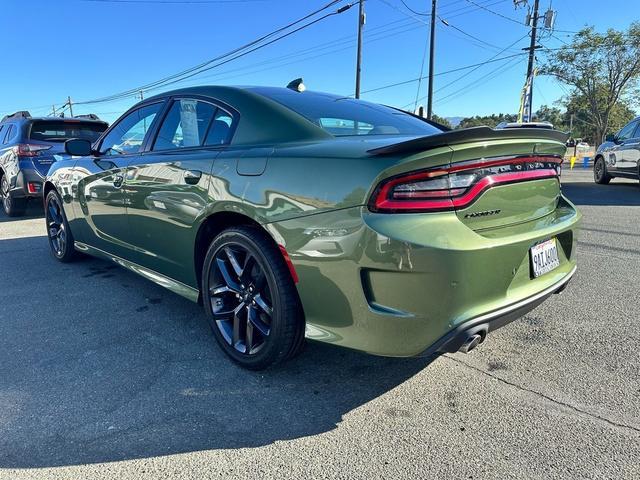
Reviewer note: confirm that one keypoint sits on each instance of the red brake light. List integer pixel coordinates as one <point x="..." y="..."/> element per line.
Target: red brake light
<point x="458" y="186"/>
<point x="30" y="150"/>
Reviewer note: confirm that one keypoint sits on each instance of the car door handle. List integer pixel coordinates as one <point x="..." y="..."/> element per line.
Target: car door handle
<point x="192" y="176"/>
<point x="117" y="181"/>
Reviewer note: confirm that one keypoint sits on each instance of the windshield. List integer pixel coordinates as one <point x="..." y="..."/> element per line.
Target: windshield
<point x="342" y="116"/>
<point x="59" y="130"/>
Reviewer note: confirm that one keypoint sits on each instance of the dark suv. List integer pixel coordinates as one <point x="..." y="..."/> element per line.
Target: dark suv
<point x="28" y="147"/>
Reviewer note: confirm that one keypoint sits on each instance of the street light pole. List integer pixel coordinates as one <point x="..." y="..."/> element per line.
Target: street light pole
<point x="432" y="40"/>
<point x="361" y="20"/>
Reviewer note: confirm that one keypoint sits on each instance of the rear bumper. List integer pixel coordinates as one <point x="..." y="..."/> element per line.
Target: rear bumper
<point x="19" y="187"/>
<point x="489" y="322"/>
<point x="403" y="285"/>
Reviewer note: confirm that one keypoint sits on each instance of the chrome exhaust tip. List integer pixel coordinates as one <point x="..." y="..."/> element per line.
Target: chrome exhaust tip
<point x="470" y="343"/>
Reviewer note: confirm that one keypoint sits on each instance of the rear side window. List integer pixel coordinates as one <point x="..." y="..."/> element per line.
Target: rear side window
<point x="58" y="130"/>
<point x="185" y="125"/>
<point x="220" y="131"/>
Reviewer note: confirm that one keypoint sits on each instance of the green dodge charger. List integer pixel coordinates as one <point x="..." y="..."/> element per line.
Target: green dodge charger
<point x="294" y="214"/>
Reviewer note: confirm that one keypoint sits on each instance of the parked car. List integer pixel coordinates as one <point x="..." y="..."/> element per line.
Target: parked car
<point x="384" y="234"/>
<point x="619" y="155"/>
<point x="29" y="146"/>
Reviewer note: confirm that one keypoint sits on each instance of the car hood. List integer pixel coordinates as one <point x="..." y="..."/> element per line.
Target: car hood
<point x="605" y="146"/>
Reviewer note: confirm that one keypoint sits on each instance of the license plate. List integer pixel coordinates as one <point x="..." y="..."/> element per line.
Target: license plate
<point x="544" y="257"/>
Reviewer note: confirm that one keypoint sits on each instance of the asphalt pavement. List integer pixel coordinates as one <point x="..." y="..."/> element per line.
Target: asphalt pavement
<point x="106" y="375"/>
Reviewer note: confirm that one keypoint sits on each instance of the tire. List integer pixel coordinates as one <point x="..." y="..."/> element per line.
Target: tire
<point x="250" y="299"/>
<point x="58" y="231"/>
<point x="600" y="174"/>
<point x="13" y="207"/>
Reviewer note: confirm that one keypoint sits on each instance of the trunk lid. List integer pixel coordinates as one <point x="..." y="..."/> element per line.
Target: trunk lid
<point x="495" y="178"/>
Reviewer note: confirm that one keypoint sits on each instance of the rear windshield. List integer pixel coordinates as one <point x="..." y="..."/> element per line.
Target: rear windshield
<point x="59" y="131"/>
<point x="342" y="116"/>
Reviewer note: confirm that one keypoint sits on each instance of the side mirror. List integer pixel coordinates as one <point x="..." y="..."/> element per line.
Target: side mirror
<point x="78" y="147"/>
<point x="611" y="137"/>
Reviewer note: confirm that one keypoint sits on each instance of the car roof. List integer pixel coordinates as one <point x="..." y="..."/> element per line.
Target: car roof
<point x="12" y="119"/>
<point x="261" y="119"/>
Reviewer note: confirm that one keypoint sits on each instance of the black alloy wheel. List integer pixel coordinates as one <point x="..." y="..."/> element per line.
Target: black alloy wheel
<point x="240" y="299"/>
<point x="251" y="301"/>
<point x="600" y="174"/>
<point x="58" y="232"/>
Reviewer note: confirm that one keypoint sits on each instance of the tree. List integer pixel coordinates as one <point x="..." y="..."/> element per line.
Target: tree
<point x="577" y="105"/>
<point x="553" y="115"/>
<point x="602" y="68"/>
<point x="487" y="120"/>
<point x="441" y="121"/>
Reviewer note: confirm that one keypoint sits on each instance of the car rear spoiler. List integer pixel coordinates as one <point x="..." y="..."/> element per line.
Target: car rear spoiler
<point x="467" y="135"/>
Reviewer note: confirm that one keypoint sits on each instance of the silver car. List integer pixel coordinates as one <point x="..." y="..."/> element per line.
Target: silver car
<point x="619" y="155"/>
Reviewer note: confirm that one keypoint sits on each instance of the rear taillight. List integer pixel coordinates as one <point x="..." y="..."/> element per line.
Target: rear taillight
<point x="34" y="187"/>
<point x="30" y="150"/>
<point x="458" y="186"/>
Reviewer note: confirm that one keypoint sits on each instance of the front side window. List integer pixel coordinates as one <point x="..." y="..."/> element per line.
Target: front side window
<point x="185" y="125"/>
<point x="627" y="131"/>
<point x="128" y="135"/>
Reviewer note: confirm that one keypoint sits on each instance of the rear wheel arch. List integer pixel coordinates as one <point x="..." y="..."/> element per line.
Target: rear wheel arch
<point x="48" y="186"/>
<point x="211" y="227"/>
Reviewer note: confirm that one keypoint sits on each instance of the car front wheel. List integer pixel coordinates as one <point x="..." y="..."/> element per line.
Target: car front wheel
<point x="250" y="299"/>
<point x="58" y="231"/>
<point x="600" y="174"/>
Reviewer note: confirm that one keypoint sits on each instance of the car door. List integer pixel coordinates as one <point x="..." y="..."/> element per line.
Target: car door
<point x="100" y="203"/>
<point x="630" y="152"/>
<point x="618" y="155"/>
<point x="168" y="184"/>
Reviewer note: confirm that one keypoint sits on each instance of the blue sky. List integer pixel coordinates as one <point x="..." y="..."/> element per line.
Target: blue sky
<point x="88" y="49"/>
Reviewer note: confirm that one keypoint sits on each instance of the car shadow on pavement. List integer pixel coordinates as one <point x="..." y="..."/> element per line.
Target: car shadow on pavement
<point x="589" y="193"/>
<point x="34" y="210"/>
<point x="99" y="365"/>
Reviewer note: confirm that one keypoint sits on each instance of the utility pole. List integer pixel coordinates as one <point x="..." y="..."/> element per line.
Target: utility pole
<point x="53" y="110"/>
<point x="432" y="41"/>
<point x="70" y="106"/>
<point x="532" y="55"/>
<point x="361" y="20"/>
<point x="141" y="95"/>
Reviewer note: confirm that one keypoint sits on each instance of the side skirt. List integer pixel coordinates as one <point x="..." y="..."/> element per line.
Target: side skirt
<point x="157" y="278"/>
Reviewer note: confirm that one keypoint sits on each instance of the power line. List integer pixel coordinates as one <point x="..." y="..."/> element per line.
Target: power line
<point x="405" y="82"/>
<point x="426" y="14"/>
<point x="467" y="34"/>
<point x="240" y="55"/>
<point x="174" y="2"/>
<point x="472" y="2"/>
<point x="202" y="66"/>
<point x="482" y="80"/>
<point x="278" y="61"/>
<point x="466" y="74"/>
